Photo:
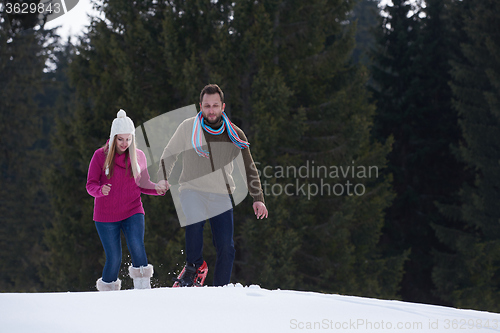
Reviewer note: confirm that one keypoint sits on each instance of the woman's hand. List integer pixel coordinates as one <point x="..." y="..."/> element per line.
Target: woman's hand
<point x="105" y="189"/>
<point x="162" y="187"/>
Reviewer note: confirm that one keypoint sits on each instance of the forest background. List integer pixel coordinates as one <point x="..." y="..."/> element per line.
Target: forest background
<point x="411" y="89"/>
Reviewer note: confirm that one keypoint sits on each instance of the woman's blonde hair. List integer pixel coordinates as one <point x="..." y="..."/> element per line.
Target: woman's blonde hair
<point x="109" y="163"/>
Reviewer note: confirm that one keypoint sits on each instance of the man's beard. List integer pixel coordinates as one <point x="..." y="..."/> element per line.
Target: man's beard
<point x="214" y="121"/>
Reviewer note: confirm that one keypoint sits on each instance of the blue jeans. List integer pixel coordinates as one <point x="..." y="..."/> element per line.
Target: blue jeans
<point x="109" y="232"/>
<point x="222" y="232"/>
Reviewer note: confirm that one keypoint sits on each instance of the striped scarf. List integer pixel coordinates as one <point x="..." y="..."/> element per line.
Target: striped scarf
<point x="196" y="139"/>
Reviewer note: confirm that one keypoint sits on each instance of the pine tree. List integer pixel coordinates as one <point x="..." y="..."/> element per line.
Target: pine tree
<point x="301" y="102"/>
<point x="467" y="274"/>
<point x="411" y="75"/>
<point x="24" y="208"/>
<point x="118" y="65"/>
<point x="366" y="15"/>
<point x="65" y="180"/>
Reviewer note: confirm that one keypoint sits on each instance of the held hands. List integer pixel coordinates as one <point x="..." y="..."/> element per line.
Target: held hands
<point x="260" y="210"/>
<point x="162" y="187"/>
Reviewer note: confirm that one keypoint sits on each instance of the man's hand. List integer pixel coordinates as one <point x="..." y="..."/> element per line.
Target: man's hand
<point x="162" y="187"/>
<point x="260" y="210"/>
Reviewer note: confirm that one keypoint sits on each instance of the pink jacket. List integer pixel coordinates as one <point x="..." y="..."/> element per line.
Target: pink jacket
<point x="124" y="198"/>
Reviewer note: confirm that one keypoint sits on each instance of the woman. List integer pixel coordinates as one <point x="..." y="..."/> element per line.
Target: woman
<point x="117" y="176"/>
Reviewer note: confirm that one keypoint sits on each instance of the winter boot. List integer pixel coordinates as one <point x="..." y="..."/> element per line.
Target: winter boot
<point x="108" y="286"/>
<point x="192" y="276"/>
<point x="142" y="276"/>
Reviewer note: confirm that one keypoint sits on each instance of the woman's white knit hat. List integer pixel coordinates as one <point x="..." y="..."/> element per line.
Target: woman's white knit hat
<point x="122" y="125"/>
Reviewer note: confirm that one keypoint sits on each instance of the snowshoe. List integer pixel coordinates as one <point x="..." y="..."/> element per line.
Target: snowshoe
<point x="191" y="276"/>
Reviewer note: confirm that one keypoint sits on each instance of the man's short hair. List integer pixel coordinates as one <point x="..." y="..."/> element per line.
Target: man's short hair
<point x="211" y="89"/>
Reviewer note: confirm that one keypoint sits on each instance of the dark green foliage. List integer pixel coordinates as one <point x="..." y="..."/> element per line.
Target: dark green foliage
<point x="106" y="76"/>
<point x="366" y="15"/>
<point x="468" y="273"/>
<point x="411" y="74"/>
<point x="24" y="208"/>
<point x="305" y="104"/>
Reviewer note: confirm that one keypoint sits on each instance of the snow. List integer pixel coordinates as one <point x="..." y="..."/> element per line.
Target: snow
<point x="232" y="308"/>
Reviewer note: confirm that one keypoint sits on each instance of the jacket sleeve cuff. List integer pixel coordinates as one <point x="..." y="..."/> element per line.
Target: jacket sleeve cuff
<point x="259" y="197"/>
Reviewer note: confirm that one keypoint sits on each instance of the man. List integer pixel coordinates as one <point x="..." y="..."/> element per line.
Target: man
<point x="210" y="143"/>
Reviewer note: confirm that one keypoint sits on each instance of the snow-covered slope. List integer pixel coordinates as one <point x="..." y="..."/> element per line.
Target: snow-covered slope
<point x="233" y="308"/>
